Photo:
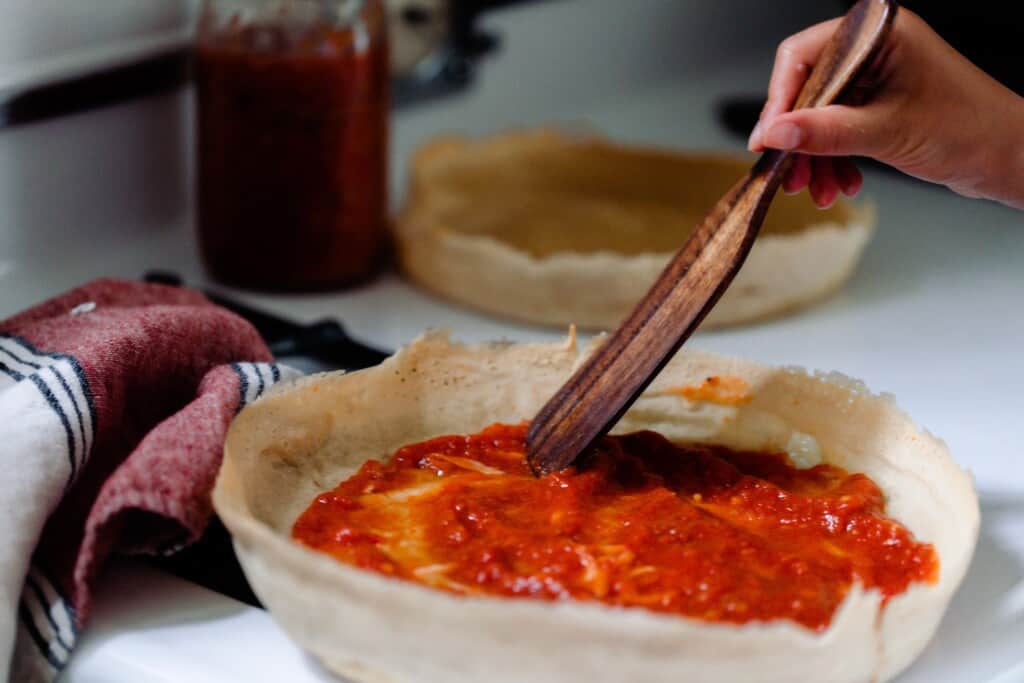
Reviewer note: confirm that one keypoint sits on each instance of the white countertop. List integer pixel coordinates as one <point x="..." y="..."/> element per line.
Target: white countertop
<point x="934" y="315"/>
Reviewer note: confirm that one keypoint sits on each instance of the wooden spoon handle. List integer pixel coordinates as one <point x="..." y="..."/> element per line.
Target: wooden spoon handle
<point x="849" y="52"/>
<point x="608" y="382"/>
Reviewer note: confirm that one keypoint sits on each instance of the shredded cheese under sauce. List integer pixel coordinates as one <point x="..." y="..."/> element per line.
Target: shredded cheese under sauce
<point x="703" y="532"/>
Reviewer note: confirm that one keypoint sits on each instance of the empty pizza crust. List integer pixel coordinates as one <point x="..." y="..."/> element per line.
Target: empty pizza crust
<point x="305" y="437"/>
<point x="550" y="228"/>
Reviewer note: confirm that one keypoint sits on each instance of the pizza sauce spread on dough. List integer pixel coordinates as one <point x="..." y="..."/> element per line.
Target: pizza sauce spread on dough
<point x="700" y="531"/>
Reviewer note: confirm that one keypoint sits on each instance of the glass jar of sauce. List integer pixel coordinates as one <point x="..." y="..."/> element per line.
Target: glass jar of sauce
<point x="293" y="100"/>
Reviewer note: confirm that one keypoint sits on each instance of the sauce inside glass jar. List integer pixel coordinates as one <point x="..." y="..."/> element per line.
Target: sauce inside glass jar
<point x="293" y="141"/>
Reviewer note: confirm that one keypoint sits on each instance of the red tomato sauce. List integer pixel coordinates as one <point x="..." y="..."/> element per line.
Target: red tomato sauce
<point x="699" y="531"/>
<point x="293" y="147"/>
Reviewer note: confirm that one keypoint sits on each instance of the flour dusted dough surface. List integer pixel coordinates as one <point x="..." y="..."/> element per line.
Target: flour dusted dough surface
<point x="548" y="228"/>
<point x="305" y="437"/>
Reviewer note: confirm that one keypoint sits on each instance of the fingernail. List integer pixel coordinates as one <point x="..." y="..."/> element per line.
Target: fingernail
<point x="753" y="139"/>
<point x="783" y="136"/>
<point x="825" y="201"/>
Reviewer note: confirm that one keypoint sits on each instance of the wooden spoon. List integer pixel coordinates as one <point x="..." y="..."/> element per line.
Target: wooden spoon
<point x="601" y="390"/>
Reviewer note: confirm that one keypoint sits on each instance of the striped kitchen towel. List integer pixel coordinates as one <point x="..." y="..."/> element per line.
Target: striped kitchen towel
<point x="114" y="402"/>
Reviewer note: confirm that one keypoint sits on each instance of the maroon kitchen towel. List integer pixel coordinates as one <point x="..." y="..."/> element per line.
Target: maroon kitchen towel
<point x="115" y="399"/>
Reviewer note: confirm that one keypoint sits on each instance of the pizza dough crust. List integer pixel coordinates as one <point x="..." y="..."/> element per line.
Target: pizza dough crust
<point x="305" y="437"/>
<point x="543" y="227"/>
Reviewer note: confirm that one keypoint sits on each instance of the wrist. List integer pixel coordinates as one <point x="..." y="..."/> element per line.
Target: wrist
<point x="1005" y="179"/>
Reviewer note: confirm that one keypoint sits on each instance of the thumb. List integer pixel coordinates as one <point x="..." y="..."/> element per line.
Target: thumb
<point x="835" y="130"/>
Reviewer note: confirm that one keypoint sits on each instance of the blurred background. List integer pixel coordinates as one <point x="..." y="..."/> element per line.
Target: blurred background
<point x="96" y="118"/>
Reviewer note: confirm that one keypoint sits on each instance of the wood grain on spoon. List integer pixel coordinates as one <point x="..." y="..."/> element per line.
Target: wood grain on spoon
<point x="608" y="382"/>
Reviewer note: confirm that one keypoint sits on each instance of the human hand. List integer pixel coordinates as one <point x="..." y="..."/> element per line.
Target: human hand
<point x="920" y="107"/>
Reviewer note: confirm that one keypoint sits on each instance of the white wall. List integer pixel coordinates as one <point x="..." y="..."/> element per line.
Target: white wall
<point x="35" y="31"/>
